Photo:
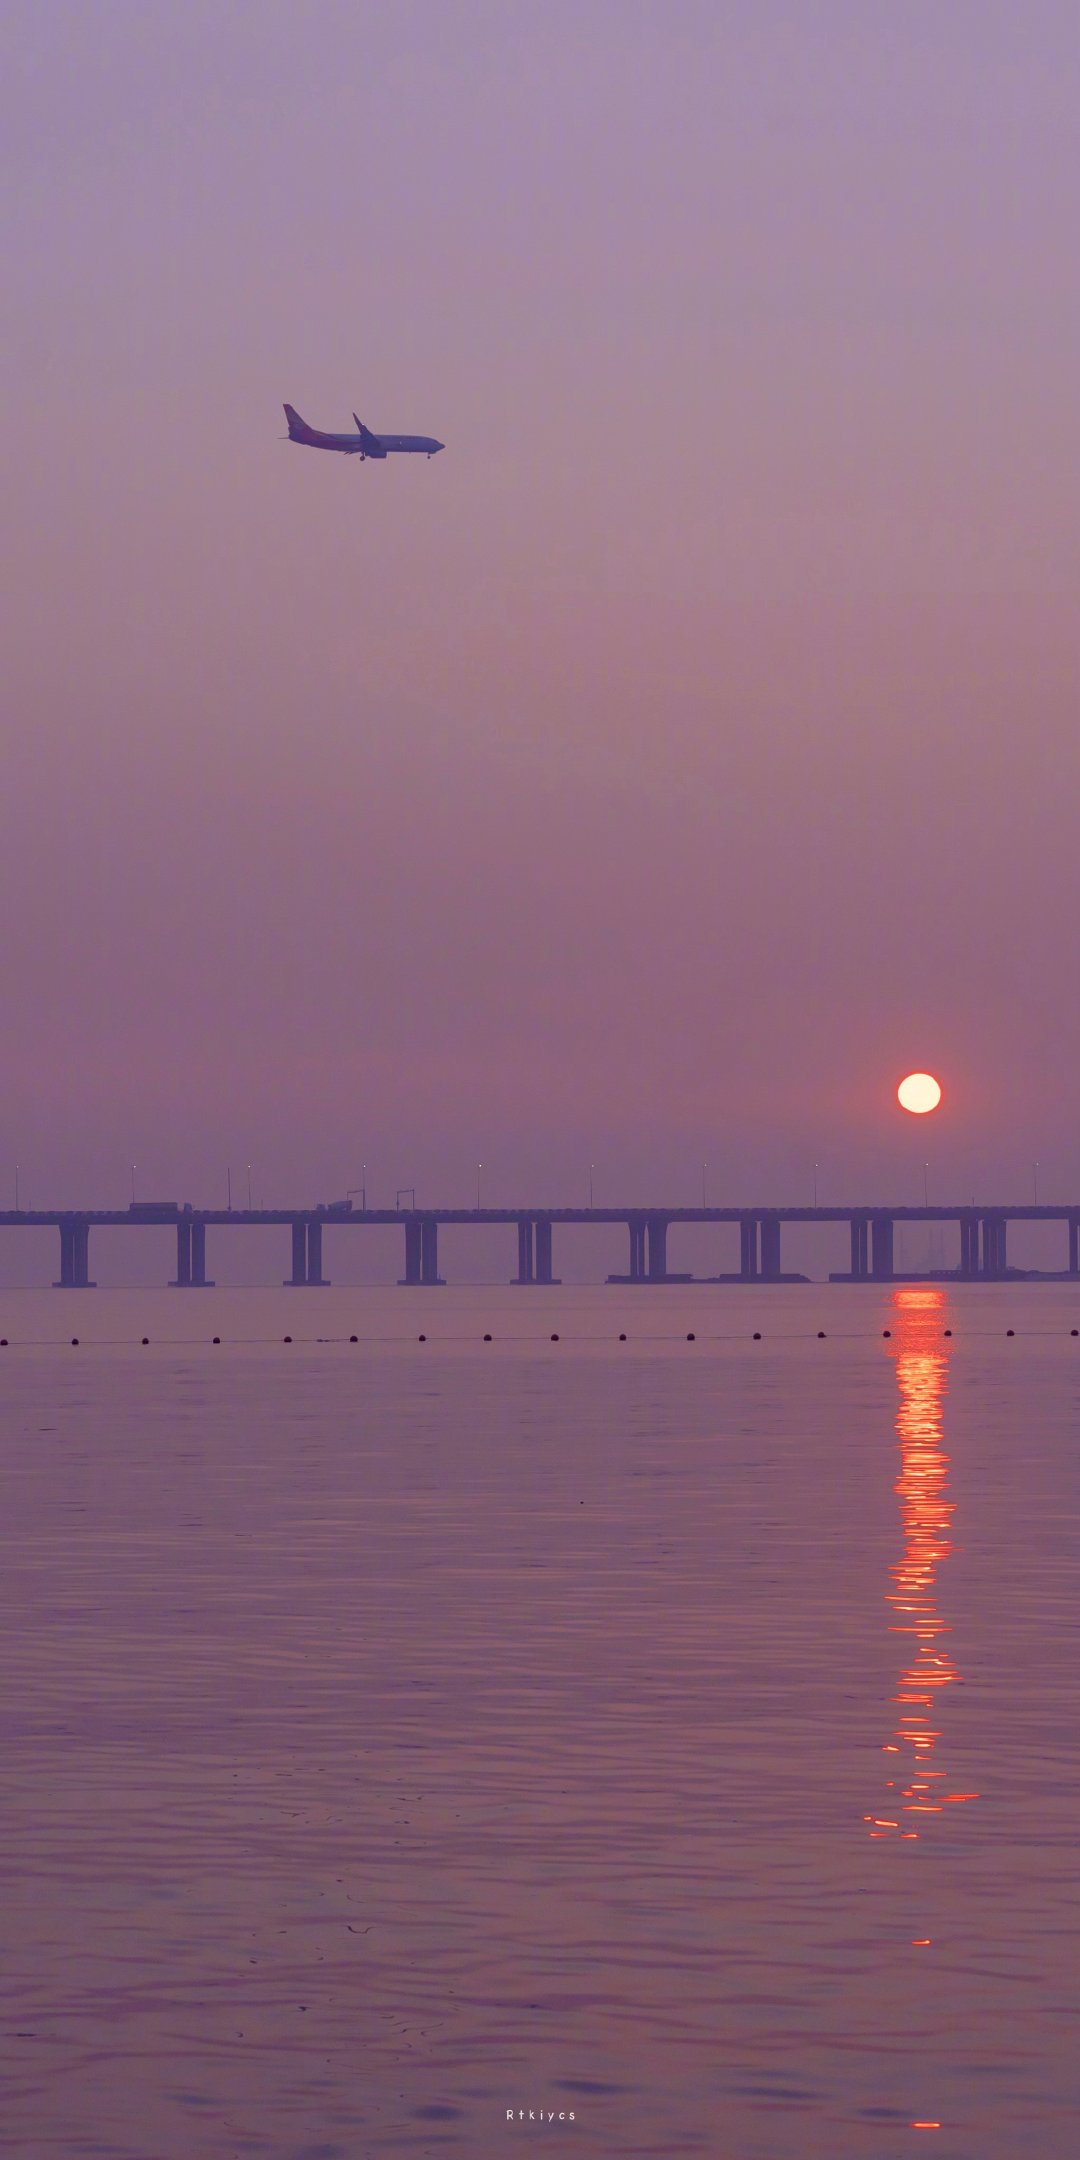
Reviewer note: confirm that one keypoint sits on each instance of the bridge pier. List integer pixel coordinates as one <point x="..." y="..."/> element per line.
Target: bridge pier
<point x="74" y="1254"/>
<point x="429" y="1250"/>
<point x="655" y="1236"/>
<point x="412" y="1250"/>
<point x="636" y="1227"/>
<point x="860" y="1243"/>
<point x="748" y="1248"/>
<point x="1074" y="1244"/>
<point x="994" y="1261"/>
<point x="769" y="1233"/>
<point x="542" y="1233"/>
<point x="190" y="1256"/>
<point x="881" y="1248"/>
<point x="421" y="1251"/>
<point x="307" y="1271"/>
<point x="299" y="1256"/>
<point x="534" y="1249"/>
<point x="969" y="1246"/>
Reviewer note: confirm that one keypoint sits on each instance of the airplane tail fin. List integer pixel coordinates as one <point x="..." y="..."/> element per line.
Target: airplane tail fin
<point x="299" y="430"/>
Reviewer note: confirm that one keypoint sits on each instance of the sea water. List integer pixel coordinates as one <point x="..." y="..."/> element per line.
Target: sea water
<point x="654" y="1746"/>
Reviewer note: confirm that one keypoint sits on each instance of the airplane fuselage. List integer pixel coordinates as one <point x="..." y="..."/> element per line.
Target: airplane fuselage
<point x="364" y="444"/>
<point x="354" y="445"/>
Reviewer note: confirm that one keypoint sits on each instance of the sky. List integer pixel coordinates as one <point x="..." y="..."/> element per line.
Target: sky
<point x="661" y="772"/>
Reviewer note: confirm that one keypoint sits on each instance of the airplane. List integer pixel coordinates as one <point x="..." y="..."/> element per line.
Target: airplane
<point x="363" y="444"/>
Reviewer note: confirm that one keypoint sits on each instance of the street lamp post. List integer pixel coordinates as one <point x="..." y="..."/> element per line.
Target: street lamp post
<point x="479" y="1167"/>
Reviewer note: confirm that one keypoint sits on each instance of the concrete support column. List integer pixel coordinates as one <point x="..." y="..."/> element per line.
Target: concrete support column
<point x="306" y="1254"/>
<point x="183" y="1254"/>
<point x="860" y="1258"/>
<point x="413" y="1251"/>
<point x="636" y="1227"/>
<point x="67" y="1256"/>
<point x="881" y="1248"/>
<point x="74" y="1254"/>
<point x="198" y="1257"/>
<point x="969" y="1245"/>
<point x="770" y="1247"/>
<point x="299" y="1255"/>
<point x="994" y="1257"/>
<point x="429" y="1250"/>
<point x="656" y="1244"/>
<point x="748" y="1247"/>
<point x="543" y="1249"/>
<point x="1074" y="1244"/>
<point x="526" y="1266"/>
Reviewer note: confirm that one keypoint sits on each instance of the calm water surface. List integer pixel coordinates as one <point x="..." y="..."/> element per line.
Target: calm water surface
<point x="679" y="1733"/>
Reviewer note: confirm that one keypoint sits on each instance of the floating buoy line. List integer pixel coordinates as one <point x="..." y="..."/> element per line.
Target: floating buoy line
<point x="756" y="1335"/>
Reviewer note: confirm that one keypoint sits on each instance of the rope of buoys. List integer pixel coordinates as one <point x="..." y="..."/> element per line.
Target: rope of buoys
<point x="193" y="1342"/>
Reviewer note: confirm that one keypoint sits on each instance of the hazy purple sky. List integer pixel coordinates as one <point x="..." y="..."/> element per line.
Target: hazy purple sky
<point x="687" y="752"/>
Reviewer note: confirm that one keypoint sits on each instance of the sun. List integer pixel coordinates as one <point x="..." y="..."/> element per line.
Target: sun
<point x="919" y="1093"/>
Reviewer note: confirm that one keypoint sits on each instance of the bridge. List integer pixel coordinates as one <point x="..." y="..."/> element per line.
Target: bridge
<point x="872" y="1231"/>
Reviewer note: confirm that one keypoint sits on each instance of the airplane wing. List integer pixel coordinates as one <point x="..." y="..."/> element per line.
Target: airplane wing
<point x="372" y="445"/>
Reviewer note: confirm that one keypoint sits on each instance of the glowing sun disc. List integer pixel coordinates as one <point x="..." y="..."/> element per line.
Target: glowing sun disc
<point x="919" y="1093"/>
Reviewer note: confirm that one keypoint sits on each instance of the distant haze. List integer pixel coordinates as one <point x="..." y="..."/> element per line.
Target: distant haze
<point x="688" y="752"/>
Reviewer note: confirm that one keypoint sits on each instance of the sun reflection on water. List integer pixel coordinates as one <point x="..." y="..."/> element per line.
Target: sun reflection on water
<point x="920" y="1348"/>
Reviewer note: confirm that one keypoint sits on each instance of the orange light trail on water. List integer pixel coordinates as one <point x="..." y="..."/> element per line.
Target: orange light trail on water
<point x="918" y="1345"/>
